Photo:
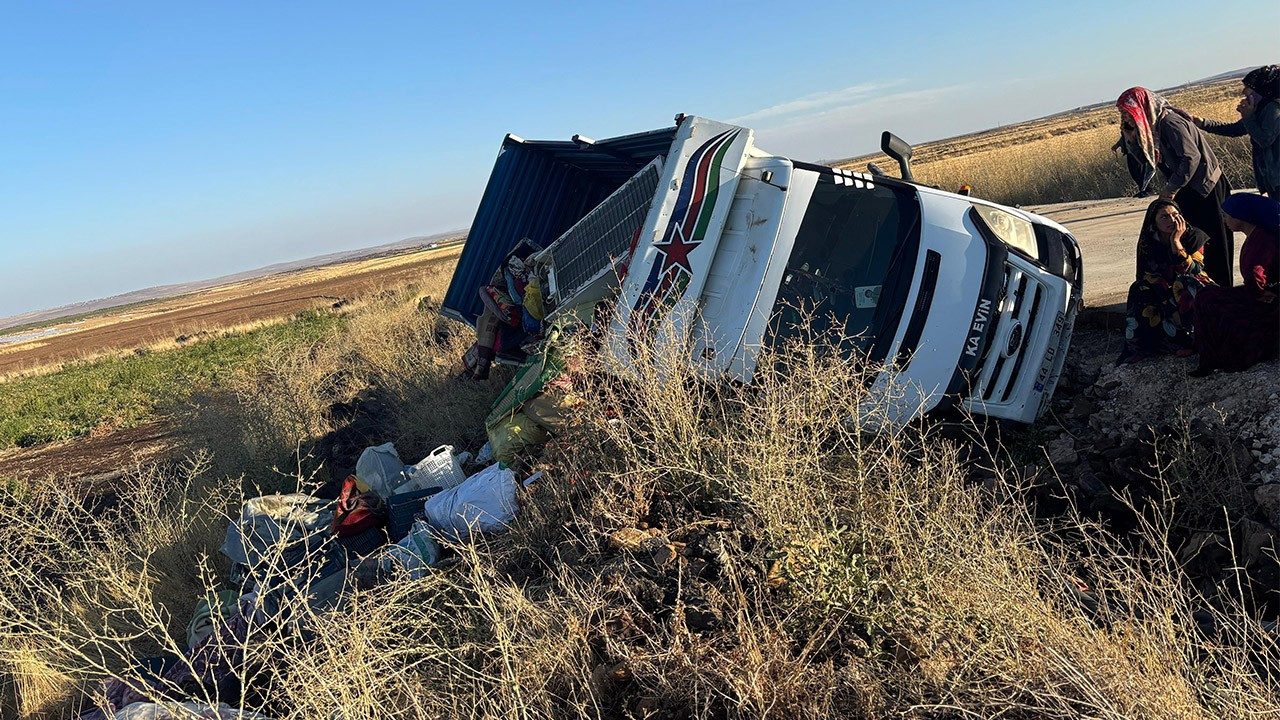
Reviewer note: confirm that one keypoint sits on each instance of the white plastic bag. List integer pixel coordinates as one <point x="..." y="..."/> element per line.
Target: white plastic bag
<point x="439" y="469"/>
<point x="184" y="711"/>
<point x="484" y="502"/>
<point x="415" y="553"/>
<point x="291" y="525"/>
<point x="381" y="469"/>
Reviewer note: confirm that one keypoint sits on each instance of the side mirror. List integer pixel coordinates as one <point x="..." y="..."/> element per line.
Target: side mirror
<point x="900" y="150"/>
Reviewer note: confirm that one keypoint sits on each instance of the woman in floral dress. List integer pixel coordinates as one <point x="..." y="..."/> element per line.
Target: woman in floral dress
<point x="1159" y="311"/>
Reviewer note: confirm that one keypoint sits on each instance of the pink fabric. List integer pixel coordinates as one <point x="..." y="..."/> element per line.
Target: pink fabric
<point x="1144" y="108"/>
<point x="1259" y="260"/>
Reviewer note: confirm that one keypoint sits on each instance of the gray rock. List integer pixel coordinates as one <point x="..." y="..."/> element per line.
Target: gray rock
<point x="1090" y="484"/>
<point x="1268" y="498"/>
<point x="1258" y="541"/>
<point x="1105" y="442"/>
<point x="1082" y="406"/>
<point x="1102" y="420"/>
<point x="1062" y="452"/>
<point x="1204" y="554"/>
<point x="1242" y="455"/>
<point x="1120" y="451"/>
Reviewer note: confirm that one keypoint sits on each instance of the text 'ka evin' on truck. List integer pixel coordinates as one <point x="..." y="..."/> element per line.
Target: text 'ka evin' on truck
<point x="692" y="233"/>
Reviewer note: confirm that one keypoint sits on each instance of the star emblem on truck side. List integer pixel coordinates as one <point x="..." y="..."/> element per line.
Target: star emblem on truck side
<point x="676" y="250"/>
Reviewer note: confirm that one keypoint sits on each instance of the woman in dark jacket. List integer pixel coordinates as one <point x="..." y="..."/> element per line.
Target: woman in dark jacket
<point x="1194" y="179"/>
<point x="1239" y="327"/>
<point x="1159" y="312"/>
<point x="1260" y="120"/>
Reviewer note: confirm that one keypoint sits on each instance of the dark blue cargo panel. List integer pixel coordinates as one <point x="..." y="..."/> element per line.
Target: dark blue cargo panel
<point x="538" y="190"/>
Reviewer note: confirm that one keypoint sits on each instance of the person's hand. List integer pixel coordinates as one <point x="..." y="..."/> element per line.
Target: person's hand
<point x="1166" y="195"/>
<point x="1175" y="237"/>
<point x="1246" y="107"/>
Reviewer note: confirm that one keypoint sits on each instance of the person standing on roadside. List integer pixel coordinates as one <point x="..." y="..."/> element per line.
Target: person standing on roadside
<point x="1259" y="119"/>
<point x="1194" y="179"/>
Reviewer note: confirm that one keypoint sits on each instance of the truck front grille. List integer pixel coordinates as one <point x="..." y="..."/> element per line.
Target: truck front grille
<point x="1005" y="360"/>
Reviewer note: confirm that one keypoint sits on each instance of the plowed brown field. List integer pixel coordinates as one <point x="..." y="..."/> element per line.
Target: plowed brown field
<point x="165" y="323"/>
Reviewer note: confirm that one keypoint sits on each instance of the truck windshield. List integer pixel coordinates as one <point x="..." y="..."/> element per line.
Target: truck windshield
<point x="851" y="266"/>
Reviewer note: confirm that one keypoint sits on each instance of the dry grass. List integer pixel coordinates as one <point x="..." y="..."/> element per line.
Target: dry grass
<point x="393" y="342"/>
<point x="1062" y="158"/>
<point x="695" y="550"/>
<point x="783" y="564"/>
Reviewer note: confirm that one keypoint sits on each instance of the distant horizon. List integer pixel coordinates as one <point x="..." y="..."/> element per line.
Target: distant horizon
<point x="53" y="315"/>
<point x="6" y="325"/>
<point x="166" y="144"/>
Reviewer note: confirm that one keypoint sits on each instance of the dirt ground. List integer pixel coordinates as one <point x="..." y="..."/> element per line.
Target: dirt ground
<point x="97" y="459"/>
<point x="166" y="323"/>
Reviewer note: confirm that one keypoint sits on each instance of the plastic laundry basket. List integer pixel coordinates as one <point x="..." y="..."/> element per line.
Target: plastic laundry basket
<point x="440" y="469"/>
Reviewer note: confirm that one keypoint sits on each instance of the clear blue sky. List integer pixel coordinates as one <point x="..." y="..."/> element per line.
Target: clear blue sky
<point x="148" y="143"/>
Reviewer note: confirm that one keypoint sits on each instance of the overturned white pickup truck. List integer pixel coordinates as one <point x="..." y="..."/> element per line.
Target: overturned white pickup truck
<point x="970" y="303"/>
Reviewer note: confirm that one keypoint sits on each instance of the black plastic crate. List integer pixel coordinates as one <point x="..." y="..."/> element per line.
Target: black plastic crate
<point x="403" y="509"/>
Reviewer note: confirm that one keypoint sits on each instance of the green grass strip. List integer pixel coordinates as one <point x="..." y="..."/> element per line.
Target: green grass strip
<point x="132" y="389"/>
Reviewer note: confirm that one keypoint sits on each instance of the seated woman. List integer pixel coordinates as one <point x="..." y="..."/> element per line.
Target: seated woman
<point x="1240" y="326"/>
<point x="1170" y="274"/>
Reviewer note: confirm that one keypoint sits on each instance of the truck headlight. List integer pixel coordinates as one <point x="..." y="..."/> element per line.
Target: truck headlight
<point x="1011" y="229"/>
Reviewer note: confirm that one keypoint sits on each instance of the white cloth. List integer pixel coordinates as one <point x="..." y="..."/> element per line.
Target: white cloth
<point x="484" y="502"/>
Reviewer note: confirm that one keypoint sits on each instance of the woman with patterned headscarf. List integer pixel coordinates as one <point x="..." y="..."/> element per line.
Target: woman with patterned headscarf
<point x="1259" y="119"/>
<point x="1193" y="178"/>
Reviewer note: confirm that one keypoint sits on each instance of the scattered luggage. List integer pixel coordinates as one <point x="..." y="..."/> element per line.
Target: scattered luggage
<point x="355" y="512"/>
<point x="414" y="554"/>
<point x="297" y="551"/>
<point x="185" y="711"/>
<point x="404" y="509"/>
<point x="210" y="610"/>
<point x="296" y="524"/>
<point x="509" y="436"/>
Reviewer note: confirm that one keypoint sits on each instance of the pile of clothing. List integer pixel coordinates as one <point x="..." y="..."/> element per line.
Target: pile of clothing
<point x="513" y="314"/>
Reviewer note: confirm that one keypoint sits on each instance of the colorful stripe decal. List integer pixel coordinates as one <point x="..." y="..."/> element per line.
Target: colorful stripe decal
<point x="670" y="277"/>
